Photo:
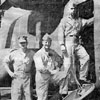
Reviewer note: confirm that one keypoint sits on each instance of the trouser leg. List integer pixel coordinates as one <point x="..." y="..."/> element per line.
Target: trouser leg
<point x="63" y="89"/>
<point x="84" y="61"/>
<point x="68" y="56"/>
<point x="16" y="91"/>
<point x="27" y="88"/>
<point x="61" y="78"/>
<point x="42" y="82"/>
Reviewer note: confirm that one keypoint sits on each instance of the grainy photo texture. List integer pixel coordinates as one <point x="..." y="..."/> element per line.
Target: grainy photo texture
<point x="49" y="50"/>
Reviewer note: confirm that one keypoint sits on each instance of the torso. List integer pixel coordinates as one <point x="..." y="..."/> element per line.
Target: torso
<point x="22" y="61"/>
<point x="47" y="58"/>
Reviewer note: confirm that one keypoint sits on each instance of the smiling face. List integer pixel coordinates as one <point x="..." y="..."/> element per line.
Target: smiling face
<point x="23" y="45"/>
<point x="46" y="44"/>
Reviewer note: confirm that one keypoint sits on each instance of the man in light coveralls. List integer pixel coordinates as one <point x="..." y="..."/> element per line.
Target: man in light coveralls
<point x="47" y="63"/>
<point x="21" y="59"/>
<point x="68" y="36"/>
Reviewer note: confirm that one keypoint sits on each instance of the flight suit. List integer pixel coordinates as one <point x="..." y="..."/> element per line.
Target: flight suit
<point x="21" y="83"/>
<point x="46" y="63"/>
<point x="68" y="33"/>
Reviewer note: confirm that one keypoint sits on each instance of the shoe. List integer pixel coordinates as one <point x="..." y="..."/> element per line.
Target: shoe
<point x="63" y="95"/>
<point x="84" y="82"/>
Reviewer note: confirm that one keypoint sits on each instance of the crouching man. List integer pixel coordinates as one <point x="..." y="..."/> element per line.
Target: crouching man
<point x="47" y="63"/>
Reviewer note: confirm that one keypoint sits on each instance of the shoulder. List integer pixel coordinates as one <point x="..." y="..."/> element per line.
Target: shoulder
<point x="38" y="53"/>
<point x="13" y="50"/>
<point x="53" y="52"/>
<point x="10" y="55"/>
<point x="62" y="21"/>
<point x="66" y="21"/>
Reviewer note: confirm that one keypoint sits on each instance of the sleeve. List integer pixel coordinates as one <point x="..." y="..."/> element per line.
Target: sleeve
<point x="87" y="21"/>
<point x="58" y="59"/>
<point x="61" y="33"/>
<point x="7" y="59"/>
<point x="64" y="29"/>
<point x="38" y="62"/>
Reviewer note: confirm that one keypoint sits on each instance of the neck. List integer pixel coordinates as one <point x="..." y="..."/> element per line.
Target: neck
<point x="46" y="49"/>
<point x="24" y="49"/>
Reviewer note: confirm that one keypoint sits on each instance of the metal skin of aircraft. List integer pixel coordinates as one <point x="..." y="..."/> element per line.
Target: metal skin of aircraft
<point x="47" y="14"/>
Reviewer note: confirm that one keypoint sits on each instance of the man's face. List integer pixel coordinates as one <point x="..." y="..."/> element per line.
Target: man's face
<point x="46" y="44"/>
<point x="23" y="45"/>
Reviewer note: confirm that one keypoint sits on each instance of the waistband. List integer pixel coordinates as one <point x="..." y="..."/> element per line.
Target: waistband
<point x="22" y="74"/>
<point x="72" y="36"/>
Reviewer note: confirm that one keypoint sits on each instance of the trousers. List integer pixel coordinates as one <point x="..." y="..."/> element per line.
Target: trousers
<point x="43" y="80"/>
<point x="21" y="88"/>
<point x="83" y="57"/>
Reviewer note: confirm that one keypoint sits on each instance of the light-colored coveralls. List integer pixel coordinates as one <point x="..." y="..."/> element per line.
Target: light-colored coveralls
<point x="21" y="82"/>
<point x="48" y="60"/>
<point x="67" y="35"/>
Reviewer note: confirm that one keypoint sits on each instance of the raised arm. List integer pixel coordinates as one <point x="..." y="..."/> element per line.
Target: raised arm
<point x="88" y="22"/>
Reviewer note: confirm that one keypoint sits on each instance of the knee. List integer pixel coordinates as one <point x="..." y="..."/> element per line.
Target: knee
<point x="87" y="57"/>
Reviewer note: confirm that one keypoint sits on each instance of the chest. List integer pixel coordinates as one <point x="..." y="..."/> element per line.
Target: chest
<point x="48" y="57"/>
<point x="73" y="25"/>
<point x="22" y="58"/>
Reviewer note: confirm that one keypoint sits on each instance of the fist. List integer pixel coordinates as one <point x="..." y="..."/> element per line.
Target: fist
<point x="63" y="49"/>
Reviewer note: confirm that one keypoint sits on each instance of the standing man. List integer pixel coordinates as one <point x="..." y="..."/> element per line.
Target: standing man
<point x="21" y="59"/>
<point x="48" y="63"/>
<point x="70" y="5"/>
<point x="68" y="36"/>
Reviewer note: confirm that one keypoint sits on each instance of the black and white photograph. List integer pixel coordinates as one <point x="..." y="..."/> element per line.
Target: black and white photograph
<point x="49" y="50"/>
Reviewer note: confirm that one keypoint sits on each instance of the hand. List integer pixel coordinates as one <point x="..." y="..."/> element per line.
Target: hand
<point x="63" y="49"/>
<point x="12" y="74"/>
<point x="54" y="71"/>
<point x="44" y="70"/>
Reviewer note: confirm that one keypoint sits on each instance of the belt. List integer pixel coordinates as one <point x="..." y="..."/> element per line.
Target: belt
<point x="72" y="35"/>
<point x="22" y="74"/>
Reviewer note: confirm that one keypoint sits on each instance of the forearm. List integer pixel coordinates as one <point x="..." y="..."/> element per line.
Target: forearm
<point x="88" y="21"/>
<point x="54" y="71"/>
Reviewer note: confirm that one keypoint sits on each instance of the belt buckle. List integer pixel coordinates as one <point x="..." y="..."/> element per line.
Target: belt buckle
<point x="71" y="35"/>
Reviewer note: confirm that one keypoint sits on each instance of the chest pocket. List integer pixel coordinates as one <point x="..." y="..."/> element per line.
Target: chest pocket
<point x="68" y="28"/>
<point x="77" y="25"/>
<point x="18" y="60"/>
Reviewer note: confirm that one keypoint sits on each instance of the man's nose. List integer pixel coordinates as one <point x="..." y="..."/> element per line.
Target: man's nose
<point x="47" y="43"/>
